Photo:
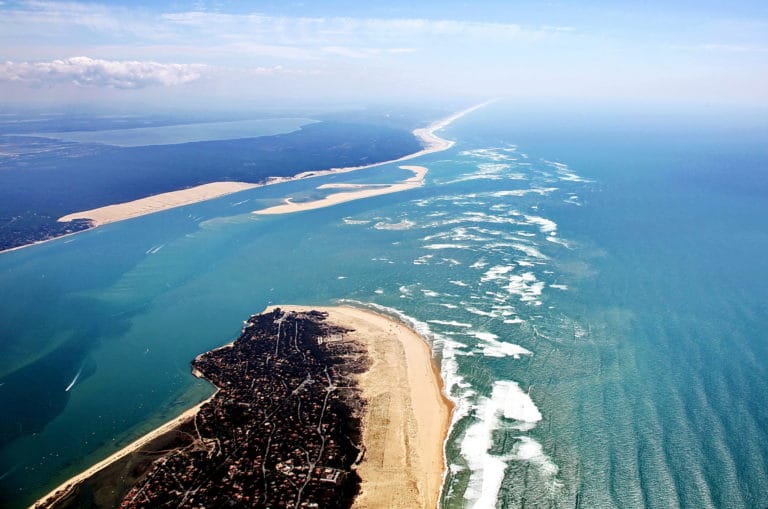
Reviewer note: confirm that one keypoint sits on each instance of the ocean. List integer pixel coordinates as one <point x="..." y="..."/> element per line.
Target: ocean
<point x="593" y="285"/>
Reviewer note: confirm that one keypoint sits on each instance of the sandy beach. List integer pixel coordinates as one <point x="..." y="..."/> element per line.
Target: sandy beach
<point x="363" y="191"/>
<point x="407" y="416"/>
<point x="159" y="202"/>
<point x="61" y="491"/>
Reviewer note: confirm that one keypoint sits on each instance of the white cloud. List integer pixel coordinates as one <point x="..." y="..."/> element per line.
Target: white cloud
<point x="89" y="72"/>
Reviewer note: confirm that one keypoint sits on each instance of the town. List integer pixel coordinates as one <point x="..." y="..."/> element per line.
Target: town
<point x="283" y="429"/>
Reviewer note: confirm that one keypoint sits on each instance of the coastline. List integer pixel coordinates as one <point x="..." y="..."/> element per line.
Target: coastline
<point x="164" y="201"/>
<point x="407" y="416"/>
<point x="404" y="426"/>
<point x="66" y="488"/>
<point x="363" y="191"/>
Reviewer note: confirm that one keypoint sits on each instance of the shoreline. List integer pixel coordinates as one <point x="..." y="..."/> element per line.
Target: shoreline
<point x="363" y="191"/>
<point x="407" y="416"/>
<point x="404" y="462"/>
<point x="432" y="143"/>
<point x="67" y="487"/>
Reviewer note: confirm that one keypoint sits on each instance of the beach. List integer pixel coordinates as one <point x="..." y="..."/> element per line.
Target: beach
<point x="362" y="191"/>
<point x="158" y="202"/>
<point x="407" y="416"/>
<point x="404" y="426"/>
<point x="164" y="201"/>
<point x="65" y="489"/>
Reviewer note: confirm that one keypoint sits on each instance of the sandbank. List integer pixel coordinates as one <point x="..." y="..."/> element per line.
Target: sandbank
<point x="164" y="201"/>
<point x="157" y="202"/>
<point x="364" y="191"/>
<point x="406" y="417"/>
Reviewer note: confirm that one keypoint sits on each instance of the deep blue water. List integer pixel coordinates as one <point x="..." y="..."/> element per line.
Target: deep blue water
<point x="594" y="286"/>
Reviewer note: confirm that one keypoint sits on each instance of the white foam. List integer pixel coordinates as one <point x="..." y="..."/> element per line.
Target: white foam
<point x="557" y="240"/>
<point x="496" y="272"/>
<point x="516" y="404"/>
<point x="490" y="346"/>
<point x="487" y="470"/>
<point x="513" y="192"/>
<point x="526" y="286"/>
<point x="559" y="286"/>
<point x="541" y="191"/>
<point x="458" y="283"/>
<point x="511" y="402"/>
<point x="529" y="250"/>
<point x="573" y="200"/>
<point x="479" y="312"/>
<point x="430" y="293"/>
<point x="545" y="225"/>
<point x="422" y="260"/>
<point x="570" y="176"/>
<point x="446" y="246"/>
<point x="459" y="234"/>
<point x="484" y="336"/>
<point x="348" y="220"/>
<point x="479" y="264"/>
<point x="378" y="291"/>
<point x="493" y="167"/>
<point x="451" y="323"/>
<point x="492" y="153"/>
<point x="528" y="449"/>
<point x="402" y="225"/>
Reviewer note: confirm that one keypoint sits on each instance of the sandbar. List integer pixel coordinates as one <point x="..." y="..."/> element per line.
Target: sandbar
<point x="363" y="191"/>
<point x="111" y="213"/>
<point x="407" y="415"/>
<point x="157" y="202"/>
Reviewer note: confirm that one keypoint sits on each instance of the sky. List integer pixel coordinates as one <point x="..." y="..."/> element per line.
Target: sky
<point x="199" y="54"/>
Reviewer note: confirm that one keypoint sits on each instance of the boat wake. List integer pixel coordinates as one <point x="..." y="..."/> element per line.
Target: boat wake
<point x="74" y="380"/>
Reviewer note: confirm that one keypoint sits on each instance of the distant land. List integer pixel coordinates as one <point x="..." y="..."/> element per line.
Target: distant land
<point x="44" y="179"/>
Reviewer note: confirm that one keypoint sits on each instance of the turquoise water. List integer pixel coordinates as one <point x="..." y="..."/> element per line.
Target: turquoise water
<point x="596" y="297"/>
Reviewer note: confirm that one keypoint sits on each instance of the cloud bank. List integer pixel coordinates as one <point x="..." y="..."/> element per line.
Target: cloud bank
<point x="90" y="72"/>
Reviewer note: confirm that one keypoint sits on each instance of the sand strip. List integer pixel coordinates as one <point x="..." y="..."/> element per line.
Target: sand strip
<point x="407" y="416"/>
<point x="159" y="202"/>
<point x="367" y="191"/>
